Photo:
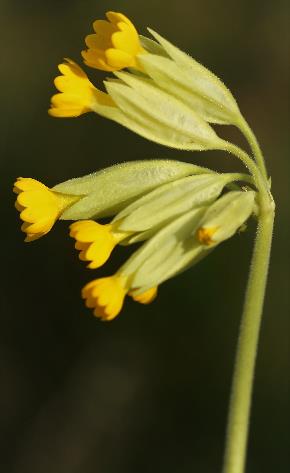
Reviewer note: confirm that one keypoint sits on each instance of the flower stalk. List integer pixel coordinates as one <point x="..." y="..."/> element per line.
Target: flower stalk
<point x="242" y="385"/>
<point x="244" y="369"/>
<point x="254" y="144"/>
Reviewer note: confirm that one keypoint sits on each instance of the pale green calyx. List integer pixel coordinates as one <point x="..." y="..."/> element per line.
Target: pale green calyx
<point x="186" y="239"/>
<point x="187" y="79"/>
<point x="108" y="191"/>
<point x="171" y="200"/>
<point x="166" y="253"/>
<point x="157" y="115"/>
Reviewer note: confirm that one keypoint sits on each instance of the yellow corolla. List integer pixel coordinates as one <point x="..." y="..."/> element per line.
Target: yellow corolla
<point x="77" y="94"/>
<point x="95" y="241"/>
<point x="39" y="206"/>
<point x="115" y="44"/>
<point x="106" y="296"/>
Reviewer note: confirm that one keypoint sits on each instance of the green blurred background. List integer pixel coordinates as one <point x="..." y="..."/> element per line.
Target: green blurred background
<point x="149" y="391"/>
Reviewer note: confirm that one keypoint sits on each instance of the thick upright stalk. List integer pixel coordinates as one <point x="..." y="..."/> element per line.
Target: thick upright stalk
<point x="241" y="393"/>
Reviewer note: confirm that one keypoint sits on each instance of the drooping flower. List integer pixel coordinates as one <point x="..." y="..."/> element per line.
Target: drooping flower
<point x="106" y="296"/>
<point x="39" y="206"/>
<point x="77" y="94"/>
<point x="115" y="44"/>
<point x="138" y="104"/>
<point x="95" y="241"/>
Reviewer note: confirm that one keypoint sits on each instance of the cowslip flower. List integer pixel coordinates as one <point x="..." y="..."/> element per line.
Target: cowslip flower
<point x="77" y="94"/>
<point x="114" y="45"/>
<point x="137" y="104"/>
<point x="95" y="241"/>
<point x="106" y="296"/>
<point x="39" y="206"/>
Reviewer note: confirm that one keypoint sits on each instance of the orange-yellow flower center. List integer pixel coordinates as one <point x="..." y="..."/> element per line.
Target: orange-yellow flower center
<point x="205" y="235"/>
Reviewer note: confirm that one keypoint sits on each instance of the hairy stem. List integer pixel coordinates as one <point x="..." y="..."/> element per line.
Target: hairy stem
<point x="240" y="401"/>
<point x="259" y="180"/>
<point x="255" y="147"/>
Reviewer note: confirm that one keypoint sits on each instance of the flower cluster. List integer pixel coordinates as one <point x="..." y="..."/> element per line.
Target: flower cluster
<point x="177" y="212"/>
<point x="165" y="95"/>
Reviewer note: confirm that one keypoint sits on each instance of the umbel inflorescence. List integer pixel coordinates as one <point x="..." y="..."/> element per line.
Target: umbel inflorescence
<point x="174" y="212"/>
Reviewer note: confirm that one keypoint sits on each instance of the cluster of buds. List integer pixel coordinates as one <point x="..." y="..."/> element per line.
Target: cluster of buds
<point x="177" y="212"/>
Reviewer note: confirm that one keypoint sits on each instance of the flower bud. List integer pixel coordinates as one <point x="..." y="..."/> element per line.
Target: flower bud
<point x="225" y="217"/>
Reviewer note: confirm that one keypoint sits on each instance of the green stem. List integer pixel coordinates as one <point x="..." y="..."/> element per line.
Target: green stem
<point x="255" y="147"/>
<point x="240" y="402"/>
<point x="237" y="176"/>
<point x="251" y="165"/>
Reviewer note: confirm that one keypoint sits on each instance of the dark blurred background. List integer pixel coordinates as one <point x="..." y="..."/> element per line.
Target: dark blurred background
<point x="148" y="392"/>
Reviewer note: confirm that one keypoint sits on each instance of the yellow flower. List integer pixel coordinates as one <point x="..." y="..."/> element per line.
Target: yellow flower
<point x="115" y="44"/>
<point x="106" y="296"/>
<point x="39" y="206"/>
<point x="95" y="241"/>
<point x="77" y="94"/>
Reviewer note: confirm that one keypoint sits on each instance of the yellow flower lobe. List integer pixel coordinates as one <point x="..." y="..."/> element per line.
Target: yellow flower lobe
<point x="105" y="296"/>
<point x="77" y="94"/>
<point x="115" y="44"/>
<point x="95" y="241"/>
<point x="39" y="206"/>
